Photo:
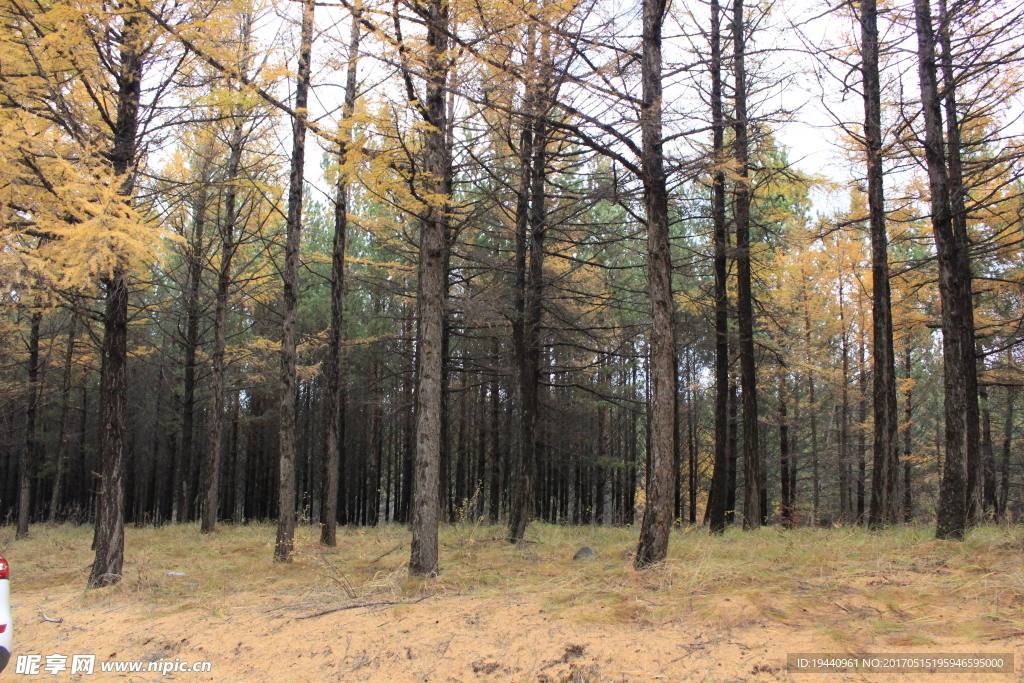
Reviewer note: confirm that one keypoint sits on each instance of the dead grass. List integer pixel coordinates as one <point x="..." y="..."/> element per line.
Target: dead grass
<point x="719" y="609"/>
<point x="900" y="585"/>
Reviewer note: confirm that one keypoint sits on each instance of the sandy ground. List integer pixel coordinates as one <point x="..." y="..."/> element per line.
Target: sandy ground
<point x="445" y="638"/>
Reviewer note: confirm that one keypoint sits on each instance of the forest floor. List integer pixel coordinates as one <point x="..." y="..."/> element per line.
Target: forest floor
<point x="720" y="609"/>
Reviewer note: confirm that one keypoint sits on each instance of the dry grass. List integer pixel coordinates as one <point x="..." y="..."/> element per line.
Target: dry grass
<point x="898" y="587"/>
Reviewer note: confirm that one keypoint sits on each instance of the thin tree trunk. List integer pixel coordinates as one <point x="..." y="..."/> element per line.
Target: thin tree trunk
<point x="745" y="304"/>
<point x="908" y="416"/>
<point x="241" y="467"/>
<point x="31" y="451"/>
<point x="293" y="226"/>
<point x="844" y="416"/>
<point x="717" y="498"/>
<point x="335" y="438"/>
<point x="523" y="479"/>
<point x="784" y="463"/>
<point x="812" y="413"/>
<point x="495" y="509"/>
<point x="180" y="509"/>
<point x="1004" y="474"/>
<point x="734" y="455"/>
<point x="862" y="418"/>
<point x="988" y="482"/>
<point x="215" y="441"/>
<point x="65" y="405"/>
<point x="691" y="439"/>
<point x="529" y="370"/>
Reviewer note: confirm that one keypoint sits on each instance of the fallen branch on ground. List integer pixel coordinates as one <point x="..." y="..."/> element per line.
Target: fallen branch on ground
<point x="381" y="557"/>
<point x="376" y="603"/>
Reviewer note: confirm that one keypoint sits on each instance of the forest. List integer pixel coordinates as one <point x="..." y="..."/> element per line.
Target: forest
<point x="659" y="264"/>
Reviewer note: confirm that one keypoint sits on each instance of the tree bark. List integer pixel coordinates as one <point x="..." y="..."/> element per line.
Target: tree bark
<point x="657" y="521"/>
<point x="720" y="474"/>
<point x="956" y="302"/>
<point x="961" y="264"/>
<point x="108" y="539"/>
<point x="293" y="225"/>
<point x="745" y="304"/>
<point x="884" y="504"/>
<point x="431" y="292"/>
<point x="529" y="368"/>
<point x="521" y="503"/>
<point x="109" y="535"/>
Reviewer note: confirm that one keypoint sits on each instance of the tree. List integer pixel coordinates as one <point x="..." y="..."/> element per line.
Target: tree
<point x="884" y="507"/>
<point x="431" y="290"/>
<point x="657" y="523"/>
<point x="720" y="475"/>
<point x="293" y="226"/>
<point x="955" y="289"/>
<point x="752" y="475"/>
<point x="228" y="246"/>
<point x="30" y="454"/>
<point x="335" y="436"/>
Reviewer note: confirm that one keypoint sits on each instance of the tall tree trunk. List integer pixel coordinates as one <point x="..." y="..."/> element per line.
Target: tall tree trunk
<point x="430" y="298"/>
<point x="745" y="302"/>
<point x="885" y="457"/>
<point x="228" y="244"/>
<point x="717" y="499"/>
<point x="108" y="539"/>
<point x="957" y="314"/>
<point x="657" y="521"/>
<point x="524" y="458"/>
<point x="962" y="268"/>
<point x="30" y="453"/>
<point x="844" y="415"/>
<point x="529" y="368"/>
<point x="293" y="226"/>
<point x="335" y="438"/>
